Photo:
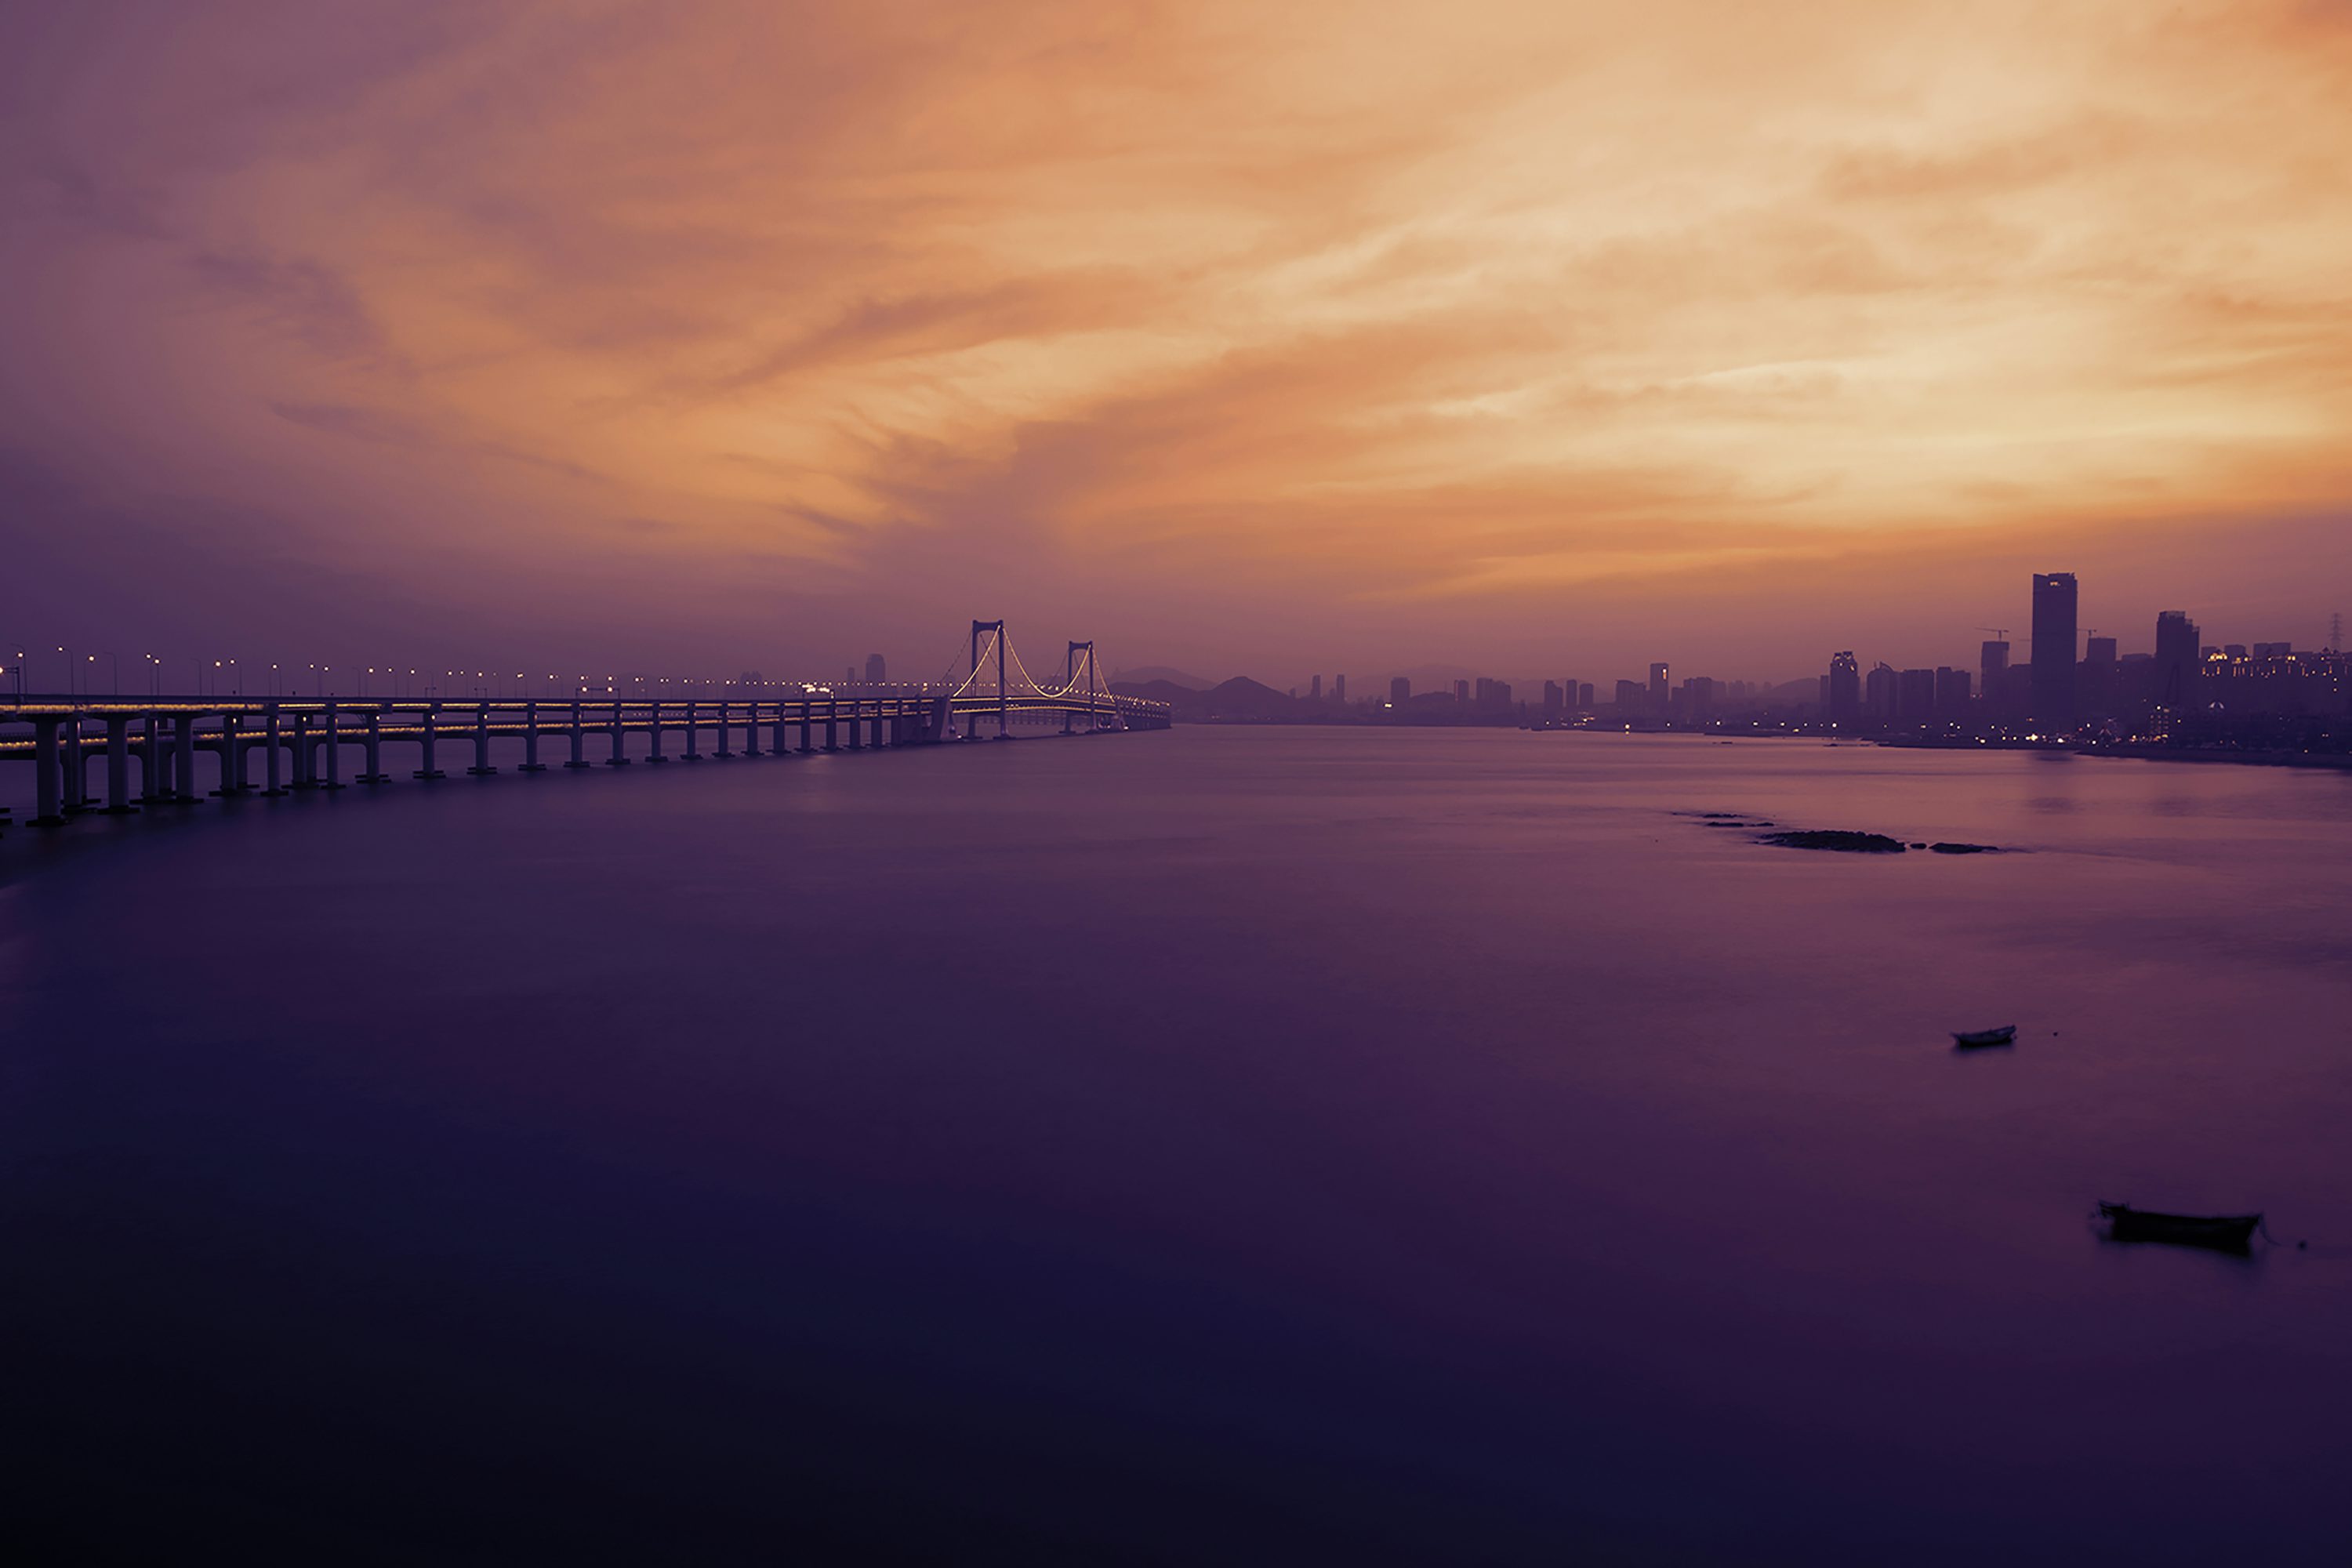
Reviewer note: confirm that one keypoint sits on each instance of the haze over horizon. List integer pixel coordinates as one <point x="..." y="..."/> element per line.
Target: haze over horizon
<point x="1522" y="338"/>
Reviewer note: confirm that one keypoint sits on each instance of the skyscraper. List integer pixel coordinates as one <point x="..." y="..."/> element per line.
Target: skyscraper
<point x="2054" y="651"/>
<point x="874" y="668"/>
<point x="1879" y="688"/>
<point x="1844" y="699"/>
<point x="1400" y="690"/>
<point x="1658" y="686"/>
<point x="1951" y="695"/>
<point x="1315" y="691"/>
<point x="1338" y="689"/>
<point x="2176" y="658"/>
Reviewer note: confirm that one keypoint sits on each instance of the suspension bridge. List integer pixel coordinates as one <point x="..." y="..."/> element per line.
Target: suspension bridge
<point x="187" y="750"/>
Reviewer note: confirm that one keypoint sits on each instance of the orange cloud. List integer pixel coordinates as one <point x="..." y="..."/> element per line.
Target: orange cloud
<point x="1186" y="311"/>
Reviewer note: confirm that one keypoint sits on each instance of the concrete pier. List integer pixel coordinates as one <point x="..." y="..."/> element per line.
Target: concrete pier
<point x="183" y="785"/>
<point x="579" y="741"/>
<point x="376" y="773"/>
<point x="48" y="803"/>
<point x="481" y="768"/>
<point x="432" y="714"/>
<point x="274" y="763"/>
<point x="531" y="762"/>
<point x="118" y="765"/>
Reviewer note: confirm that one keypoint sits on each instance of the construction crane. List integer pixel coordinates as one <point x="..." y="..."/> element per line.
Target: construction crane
<point x="2000" y="632"/>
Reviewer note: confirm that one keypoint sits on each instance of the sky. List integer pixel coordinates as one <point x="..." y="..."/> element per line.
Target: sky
<point x="706" y="335"/>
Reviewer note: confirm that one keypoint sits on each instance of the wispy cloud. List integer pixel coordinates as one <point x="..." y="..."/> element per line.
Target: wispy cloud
<point x="1159" y="305"/>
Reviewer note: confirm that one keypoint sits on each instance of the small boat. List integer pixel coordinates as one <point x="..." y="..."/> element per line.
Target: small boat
<point x="1969" y="1039"/>
<point x="2228" y="1232"/>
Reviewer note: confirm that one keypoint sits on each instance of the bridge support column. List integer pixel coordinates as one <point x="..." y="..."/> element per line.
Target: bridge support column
<point x="376" y="773"/>
<point x="722" y="753"/>
<point x="229" y="768"/>
<point x="329" y="752"/>
<point x="777" y="742"/>
<point x="531" y="762"/>
<point x="857" y="722"/>
<point x="808" y="719"/>
<point x="654" y="730"/>
<point x="618" y="759"/>
<point x="76" y="769"/>
<point x="832" y="724"/>
<point x="274" y="763"/>
<point x="306" y="775"/>
<point x="48" y="803"/>
<point x="152" y="786"/>
<point x="694" y="733"/>
<point x="432" y="734"/>
<point x="118" y="765"/>
<point x="579" y="741"/>
<point x="481" y="768"/>
<point x="184" y="764"/>
<point x="750" y="729"/>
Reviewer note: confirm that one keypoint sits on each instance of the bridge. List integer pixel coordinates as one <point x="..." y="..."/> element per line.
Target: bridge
<point x="190" y="748"/>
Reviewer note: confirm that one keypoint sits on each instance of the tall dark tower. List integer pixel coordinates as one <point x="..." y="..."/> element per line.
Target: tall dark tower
<point x="2176" y="658"/>
<point x="1844" y="701"/>
<point x="2054" y="651"/>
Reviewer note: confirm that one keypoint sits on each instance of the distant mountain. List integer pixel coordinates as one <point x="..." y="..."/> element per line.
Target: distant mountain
<point x="1145" y="675"/>
<point x="1242" y="698"/>
<point x="1238" y="700"/>
<point x="1180" y="697"/>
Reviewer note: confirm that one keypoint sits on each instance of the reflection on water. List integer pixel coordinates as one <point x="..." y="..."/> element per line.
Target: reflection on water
<point x="1225" y="1145"/>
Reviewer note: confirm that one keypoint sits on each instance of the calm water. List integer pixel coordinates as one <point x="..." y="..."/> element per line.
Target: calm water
<point x="1217" y="1146"/>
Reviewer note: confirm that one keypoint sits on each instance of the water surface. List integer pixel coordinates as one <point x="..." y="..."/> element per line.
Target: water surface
<point x="1219" y="1145"/>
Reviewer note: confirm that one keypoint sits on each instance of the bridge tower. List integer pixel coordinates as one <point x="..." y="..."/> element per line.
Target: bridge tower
<point x="1003" y="693"/>
<point x="1070" y="679"/>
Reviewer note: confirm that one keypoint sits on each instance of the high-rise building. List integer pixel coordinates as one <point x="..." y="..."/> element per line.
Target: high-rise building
<point x="1339" y="688"/>
<point x="1551" y="697"/>
<point x="2176" y="658"/>
<point x="1658" y="690"/>
<point x="1915" y="697"/>
<point x="1992" y="676"/>
<point x="1400" y="690"/>
<point x="1462" y="691"/>
<point x="1878" y="694"/>
<point x="1698" y="703"/>
<point x="2054" y="650"/>
<point x="1951" y="695"/>
<point x="1315" y="691"/>
<point x="1844" y="698"/>
<point x="1629" y="698"/>
<point x="2098" y="686"/>
<point x="874" y="668"/>
<point x="1584" y="696"/>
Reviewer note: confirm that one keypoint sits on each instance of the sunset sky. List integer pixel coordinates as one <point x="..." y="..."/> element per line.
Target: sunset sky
<point x="1245" y="338"/>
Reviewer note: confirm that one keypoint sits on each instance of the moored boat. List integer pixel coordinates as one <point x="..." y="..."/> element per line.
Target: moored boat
<point x="1970" y="1038"/>
<point x="2228" y="1232"/>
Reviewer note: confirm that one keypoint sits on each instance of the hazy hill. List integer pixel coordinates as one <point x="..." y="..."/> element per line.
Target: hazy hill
<point x="1158" y="674"/>
<point x="1238" y="698"/>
